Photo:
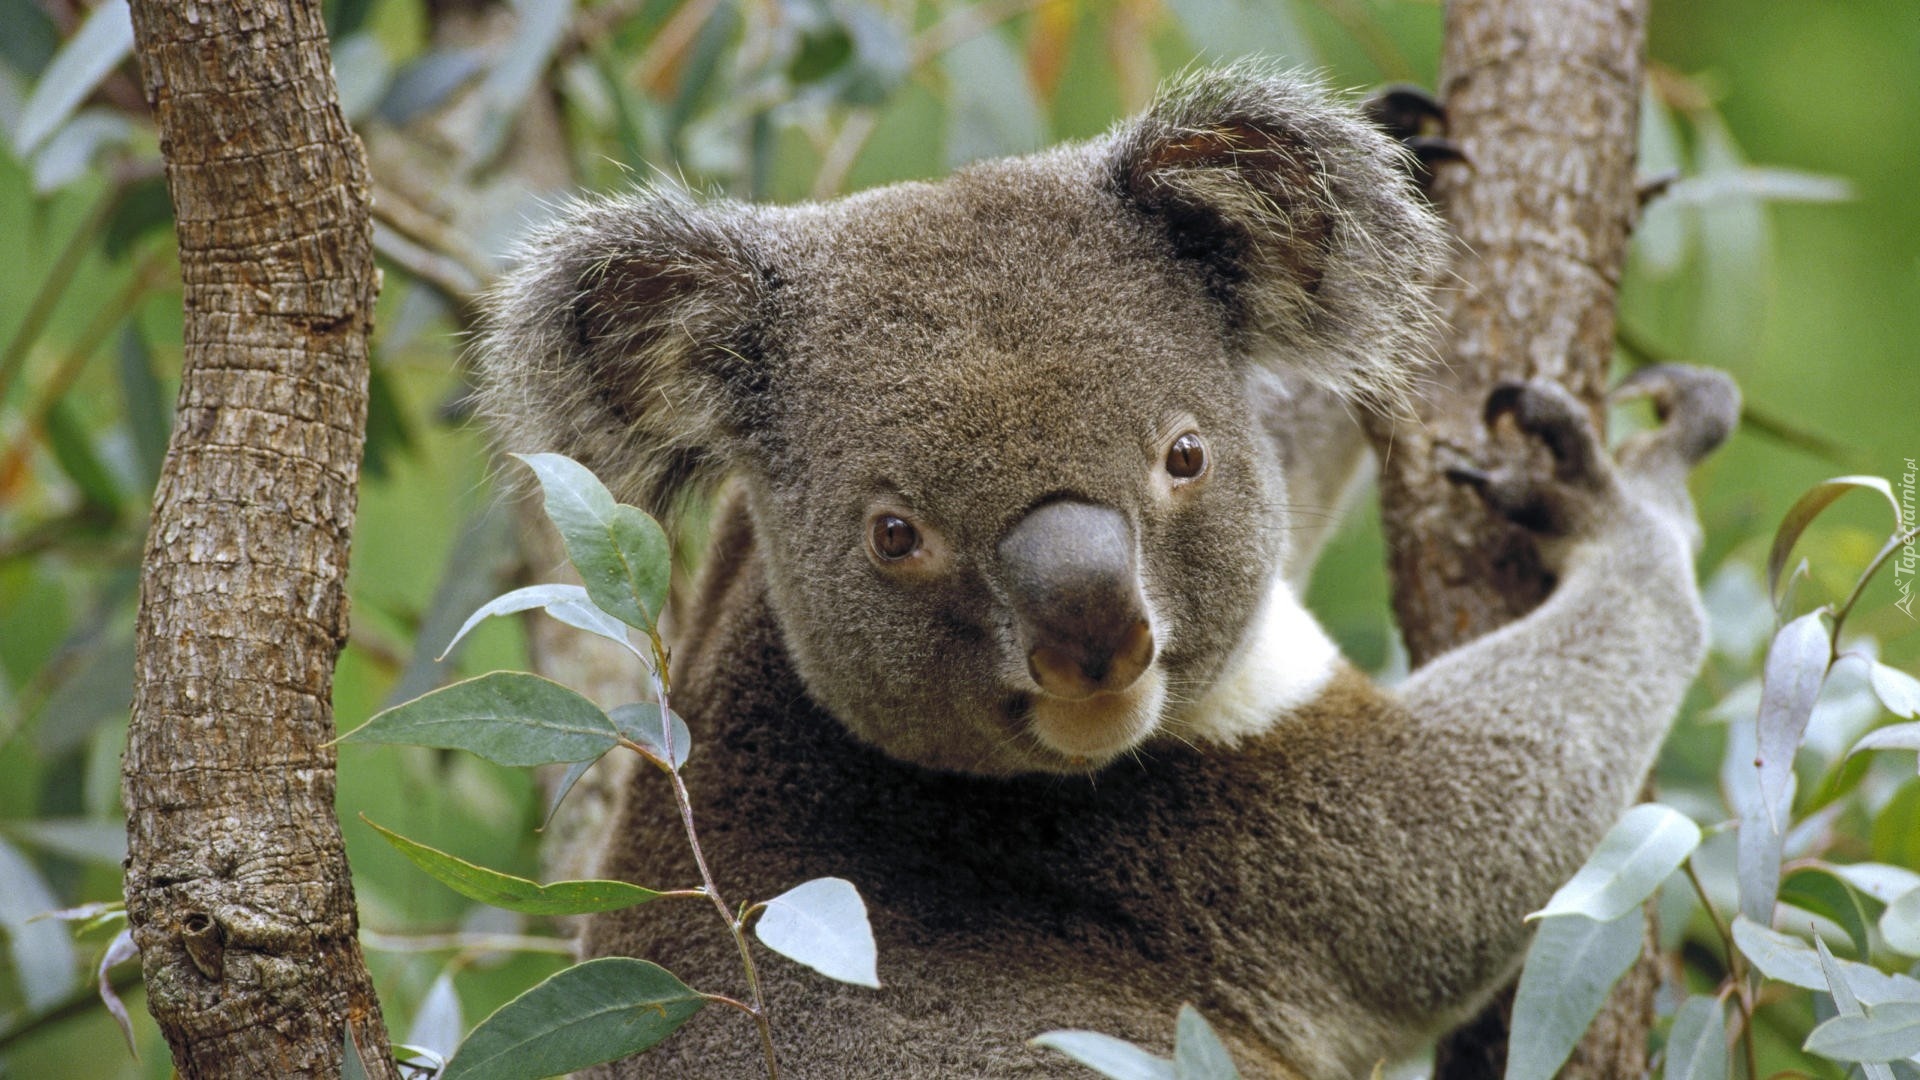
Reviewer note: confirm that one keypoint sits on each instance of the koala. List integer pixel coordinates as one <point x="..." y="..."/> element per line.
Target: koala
<point x="1018" y="475"/>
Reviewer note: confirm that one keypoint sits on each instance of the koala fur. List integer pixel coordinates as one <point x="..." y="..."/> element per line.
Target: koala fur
<point x="1081" y="749"/>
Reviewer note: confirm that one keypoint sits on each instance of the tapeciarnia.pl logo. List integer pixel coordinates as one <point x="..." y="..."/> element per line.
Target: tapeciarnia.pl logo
<point x="1904" y="563"/>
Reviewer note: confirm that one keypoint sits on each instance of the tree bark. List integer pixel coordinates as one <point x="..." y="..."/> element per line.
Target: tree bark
<point x="237" y="885"/>
<point x="1543" y="98"/>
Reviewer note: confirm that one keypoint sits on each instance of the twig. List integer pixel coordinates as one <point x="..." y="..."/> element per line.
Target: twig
<point x="1736" y="964"/>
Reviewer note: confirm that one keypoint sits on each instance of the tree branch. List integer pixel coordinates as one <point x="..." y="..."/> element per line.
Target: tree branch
<point x="1543" y="97"/>
<point x="237" y="884"/>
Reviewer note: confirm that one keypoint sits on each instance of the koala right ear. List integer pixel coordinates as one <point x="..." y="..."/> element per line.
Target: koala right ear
<point x="1299" y="217"/>
<point x="619" y="338"/>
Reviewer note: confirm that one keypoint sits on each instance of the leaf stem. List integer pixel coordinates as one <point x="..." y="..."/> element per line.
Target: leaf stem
<point x="1894" y="543"/>
<point x="1736" y="966"/>
<point x="735" y="925"/>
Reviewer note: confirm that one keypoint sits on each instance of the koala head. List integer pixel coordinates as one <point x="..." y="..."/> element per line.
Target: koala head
<point x="999" y="435"/>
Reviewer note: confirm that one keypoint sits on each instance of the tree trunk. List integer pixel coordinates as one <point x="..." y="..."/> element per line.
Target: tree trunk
<point x="237" y="884"/>
<point x="1543" y="98"/>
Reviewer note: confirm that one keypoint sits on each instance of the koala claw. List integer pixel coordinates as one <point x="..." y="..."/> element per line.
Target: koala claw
<point x="1416" y="118"/>
<point x="1549" y="413"/>
<point x="1697" y="409"/>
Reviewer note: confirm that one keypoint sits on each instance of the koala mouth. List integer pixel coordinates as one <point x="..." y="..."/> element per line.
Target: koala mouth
<point x="1093" y="731"/>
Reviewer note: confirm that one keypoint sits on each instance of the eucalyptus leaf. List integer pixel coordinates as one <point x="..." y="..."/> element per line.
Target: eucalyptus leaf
<point x="120" y="950"/>
<point x="620" y="552"/>
<point x="1114" y="1058"/>
<point x="1758" y="844"/>
<point x="1570" y="968"/>
<point x="569" y="604"/>
<point x="1881" y="881"/>
<point x="1808" y="507"/>
<point x="352" y="1065"/>
<point x="1846" y="1001"/>
<point x="1198" y="1053"/>
<point x="1697" y="1045"/>
<point x="1888" y="1032"/>
<point x="1897" y="690"/>
<point x="1900" y="924"/>
<point x="438" y="1023"/>
<point x="88" y="57"/>
<point x="1648" y="843"/>
<point x="1787" y="959"/>
<point x="1761" y="184"/>
<point x="516" y="893"/>
<point x="43" y="958"/>
<point x="823" y="924"/>
<point x="1891" y="737"/>
<point x="583" y="1016"/>
<point x="1796" y="665"/>
<point x="641" y="723"/>
<point x="507" y="717"/>
<point x="1823" y="893"/>
<point x="992" y="109"/>
<point x="564" y="787"/>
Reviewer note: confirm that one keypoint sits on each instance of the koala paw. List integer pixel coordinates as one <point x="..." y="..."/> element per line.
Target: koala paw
<point x="1582" y="472"/>
<point x="1697" y="410"/>
<point x="1419" y="121"/>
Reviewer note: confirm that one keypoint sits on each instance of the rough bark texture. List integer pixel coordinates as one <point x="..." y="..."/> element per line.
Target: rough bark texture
<point x="1543" y="97"/>
<point x="237" y="884"/>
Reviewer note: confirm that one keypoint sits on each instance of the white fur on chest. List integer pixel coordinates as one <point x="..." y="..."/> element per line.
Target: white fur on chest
<point x="1284" y="661"/>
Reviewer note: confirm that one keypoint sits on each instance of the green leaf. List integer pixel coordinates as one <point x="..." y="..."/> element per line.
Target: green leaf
<point x="1697" y="1045"/>
<point x="1889" y="1032"/>
<point x="516" y="893"/>
<point x="43" y="958"/>
<point x="1117" y="1059"/>
<point x="1787" y="959"/>
<point x="1891" y="737"/>
<point x="149" y="413"/>
<point x="352" y="1065"/>
<point x="73" y="450"/>
<point x="1845" y="1001"/>
<point x="438" y="1023"/>
<point x="569" y="604"/>
<point x="991" y="107"/>
<point x="641" y="723"/>
<point x="823" y="924"/>
<point x="101" y="43"/>
<point x="1648" y="843"/>
<point x="620" y="552"/>
<point x="1809" y="506"/>
<point x="1825" y="894"/>
<point x="507" y="717"/>
<point x="586" y="1015"/>
<point x="1796" y="665"/>
<point x="1570" y="967"/>
<point x="1226" y="29"/>
<point x="1900" y="923"/>
<point x="1198" y="1053"/>
<point x="1897" y="690"/>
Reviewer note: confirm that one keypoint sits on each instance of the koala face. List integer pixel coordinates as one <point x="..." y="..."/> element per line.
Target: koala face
<point x="1026" y="521"/>
<point x="999" y="436"/>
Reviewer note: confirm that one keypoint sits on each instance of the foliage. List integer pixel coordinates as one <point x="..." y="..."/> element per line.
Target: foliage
<point x="608" y="1008"/>
<point x="474" y="115"/>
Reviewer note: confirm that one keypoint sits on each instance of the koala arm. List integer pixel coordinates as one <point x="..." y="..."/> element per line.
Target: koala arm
<point x="1491" y="773"/>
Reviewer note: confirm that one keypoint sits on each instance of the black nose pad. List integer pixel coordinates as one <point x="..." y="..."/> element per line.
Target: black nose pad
<point x="1070" y="572"/>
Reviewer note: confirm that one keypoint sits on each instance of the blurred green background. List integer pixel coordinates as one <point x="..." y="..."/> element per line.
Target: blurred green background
<point x="1788" y="254"/>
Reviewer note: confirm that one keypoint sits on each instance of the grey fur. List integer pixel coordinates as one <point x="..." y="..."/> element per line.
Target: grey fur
<point x="1233" y="263"/>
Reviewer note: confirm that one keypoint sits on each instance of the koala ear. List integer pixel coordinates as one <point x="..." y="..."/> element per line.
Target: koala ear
<point x="624" y="340"/>
<point x="1301" y="218"/>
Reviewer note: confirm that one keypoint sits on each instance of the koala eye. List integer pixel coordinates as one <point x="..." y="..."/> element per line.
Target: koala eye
<point x="893" y="538"/>
<point x="1187" y="457"/>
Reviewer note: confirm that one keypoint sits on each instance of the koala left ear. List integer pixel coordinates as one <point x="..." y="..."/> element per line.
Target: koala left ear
<point x="1300" y="216"/>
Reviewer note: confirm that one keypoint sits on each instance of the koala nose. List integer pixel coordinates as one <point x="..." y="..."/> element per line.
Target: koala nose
<point x="1070" y="570"/>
